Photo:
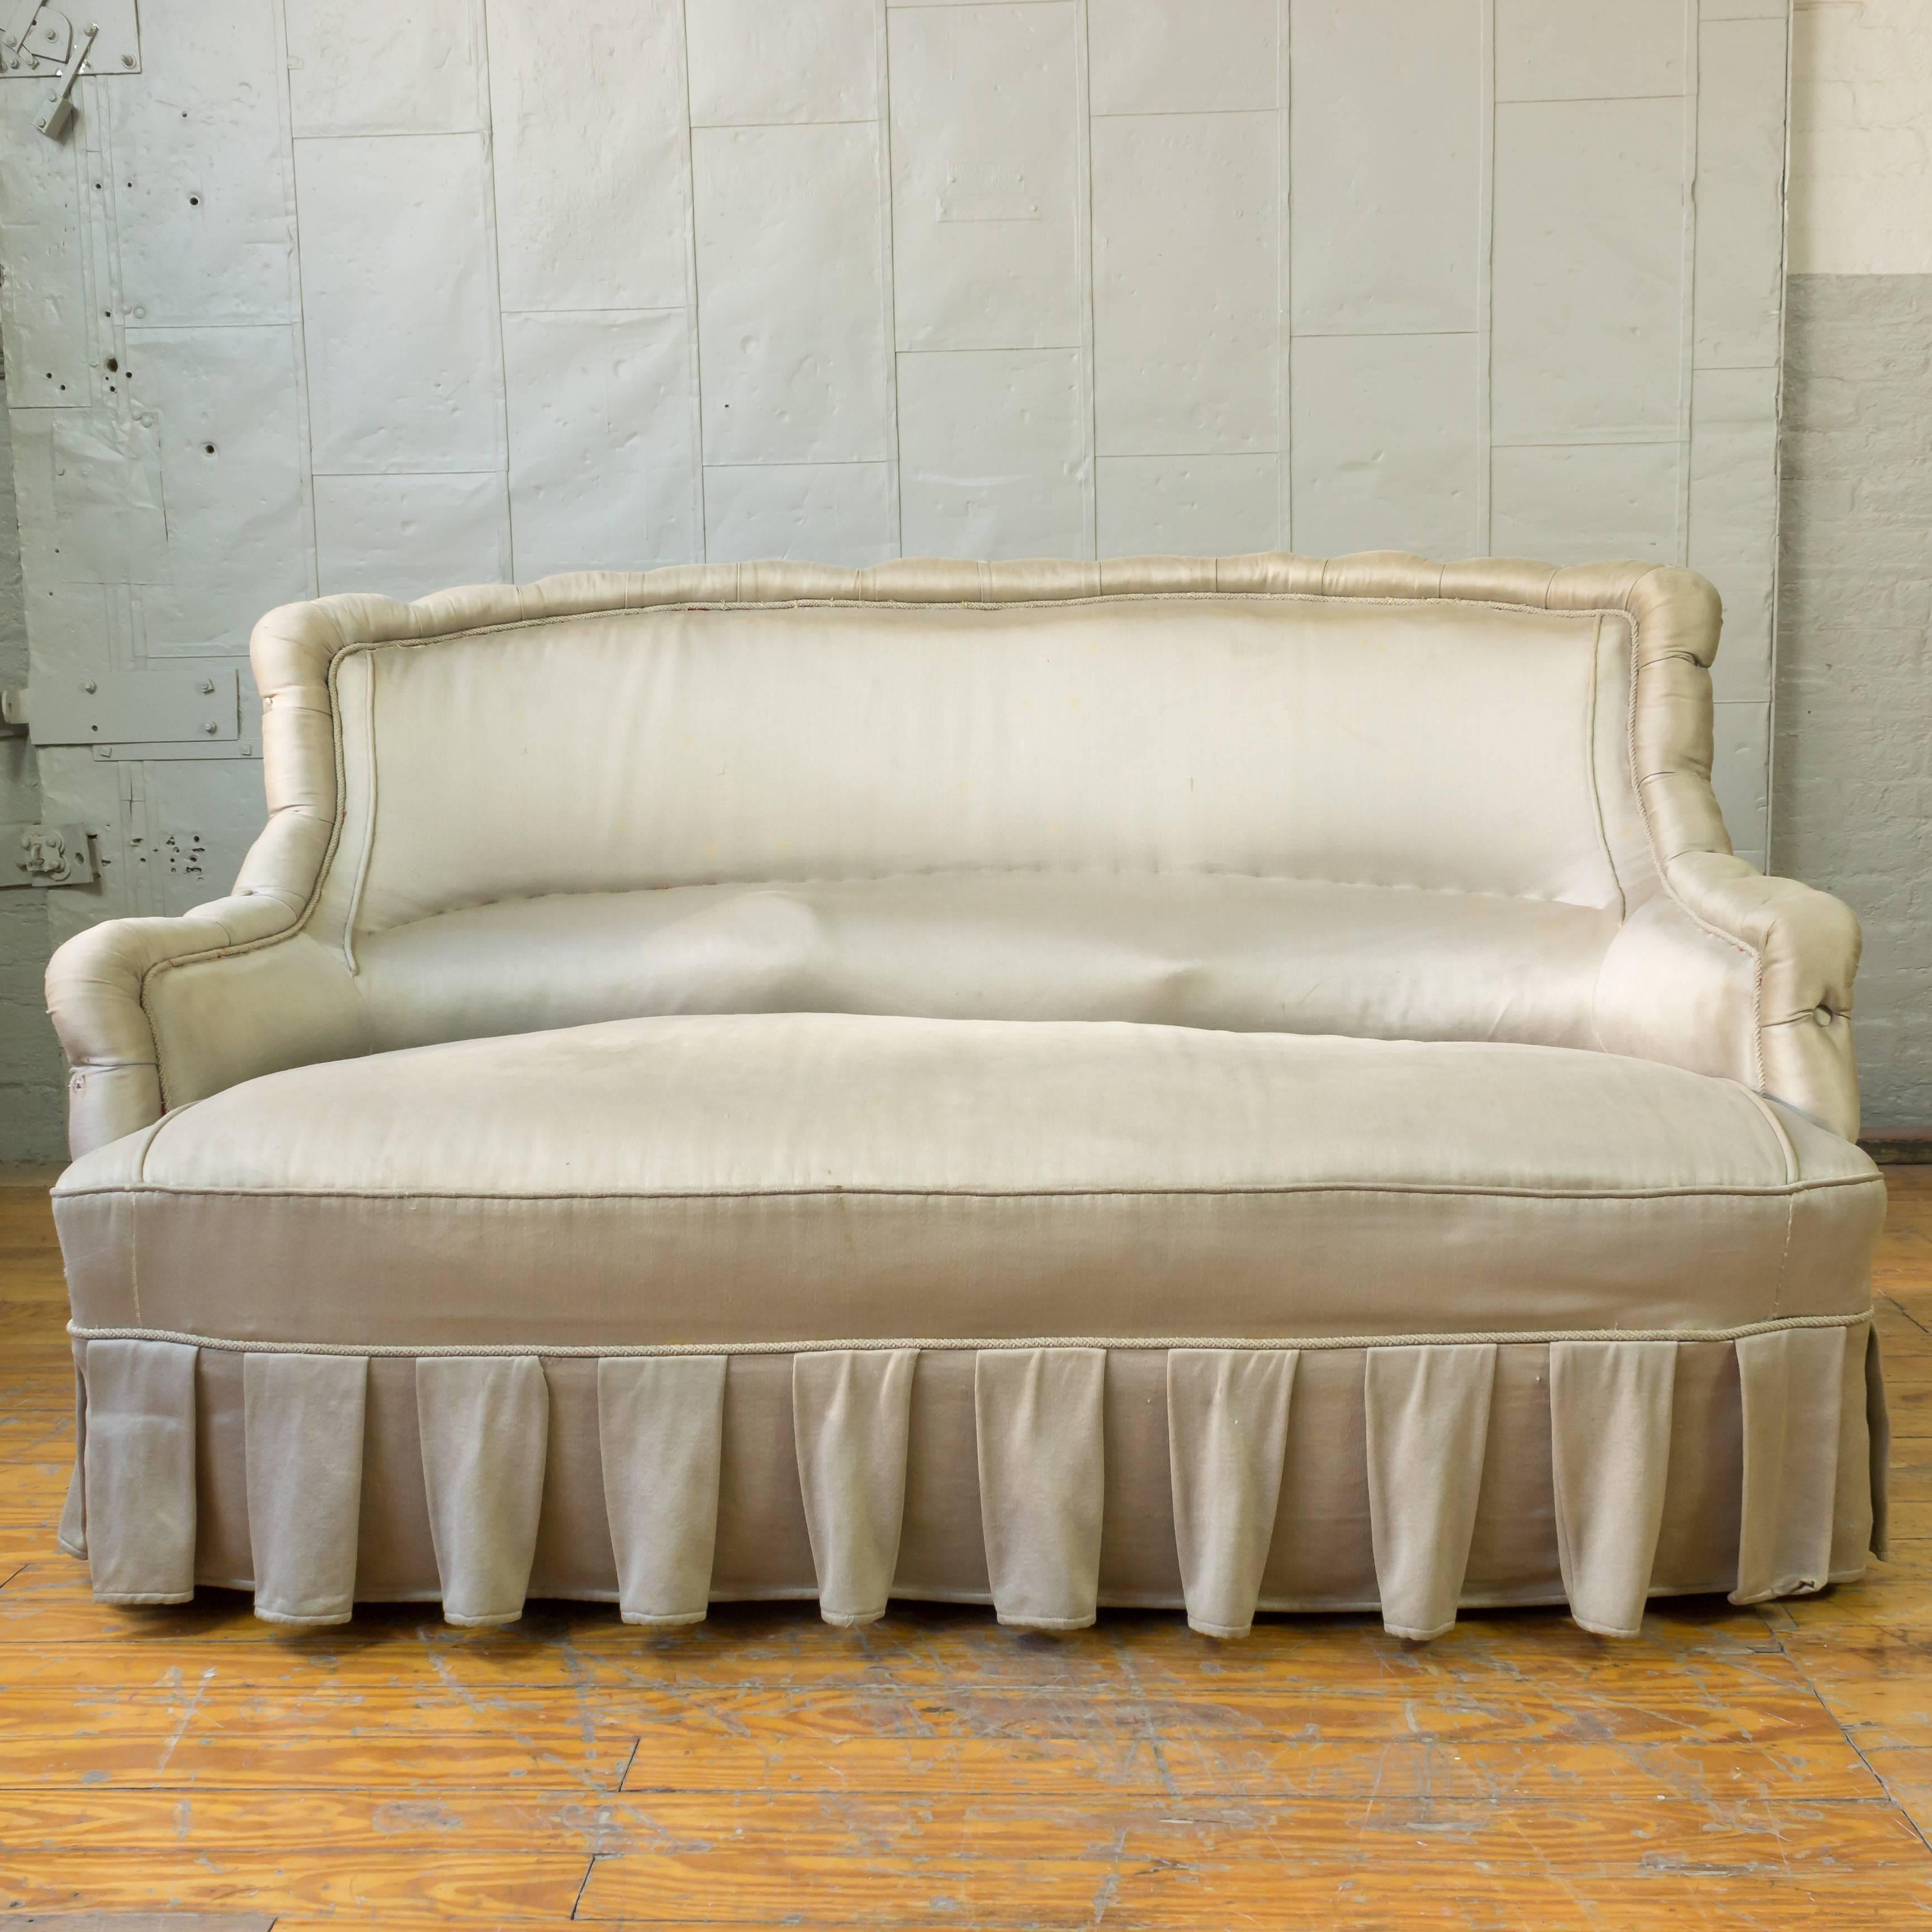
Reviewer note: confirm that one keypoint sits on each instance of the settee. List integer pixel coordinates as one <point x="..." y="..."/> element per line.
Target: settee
<point x="1242" y="1084"/>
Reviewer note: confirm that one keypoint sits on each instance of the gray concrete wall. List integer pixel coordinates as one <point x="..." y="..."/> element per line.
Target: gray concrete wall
<point x="1852" y="793"/>
<point x="32" y="1098"/>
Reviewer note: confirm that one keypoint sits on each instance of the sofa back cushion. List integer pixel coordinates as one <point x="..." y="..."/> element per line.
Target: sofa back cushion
<point x="1429" y="744"/>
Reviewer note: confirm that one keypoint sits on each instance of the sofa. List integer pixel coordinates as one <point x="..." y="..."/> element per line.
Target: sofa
<point x="1245" y="1085"/>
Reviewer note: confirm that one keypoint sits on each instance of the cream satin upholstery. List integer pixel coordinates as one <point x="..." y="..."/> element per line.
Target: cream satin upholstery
<point x="1253" y="1084"/>
<point x="1507" y="731"/>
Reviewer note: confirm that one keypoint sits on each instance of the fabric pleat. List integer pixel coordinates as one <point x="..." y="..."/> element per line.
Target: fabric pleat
<point x="1227" y="1433"/>
<point x="660" y="1426"/>
<point x="1790" y="1381"/>
<point x="303" y="1419"/>
<point x="485" y="1422"/>
<point x="139" y="1470"/>
<point x="851" y="1413"/>
<point x="1852" y="1530"/>
<point x="72" y="1534"/>
<point x="1878" y="1420"/>
<point x="1609" y="1426"/>
<point x="1039" y="1414"/>
<point x="1427" y="1416"/>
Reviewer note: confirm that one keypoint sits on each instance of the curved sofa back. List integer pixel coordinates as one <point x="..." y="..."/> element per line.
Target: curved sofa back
<point x="529" y="785"/>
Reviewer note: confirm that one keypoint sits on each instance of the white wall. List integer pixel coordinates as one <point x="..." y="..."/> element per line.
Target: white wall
<point x="394" y="294"/>
<point x="1861" y="138"/>
<point x="1853" y="765"/>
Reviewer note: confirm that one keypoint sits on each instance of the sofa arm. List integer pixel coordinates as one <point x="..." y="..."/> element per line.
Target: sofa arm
<point x="154" y="1013"/>
<point x="1734" y="973"/>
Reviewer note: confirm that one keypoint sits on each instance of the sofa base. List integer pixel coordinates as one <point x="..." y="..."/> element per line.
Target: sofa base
<point x="1047" y="1480"/>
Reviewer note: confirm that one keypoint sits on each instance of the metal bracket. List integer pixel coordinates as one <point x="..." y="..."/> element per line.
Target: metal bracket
<point x="197" y="704"/>
<point x="50" y="855"/>
<point x="53" y="119"/>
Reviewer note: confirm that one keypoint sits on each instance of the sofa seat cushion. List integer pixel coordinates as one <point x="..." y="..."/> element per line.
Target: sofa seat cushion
<point x="749" y="1179"/>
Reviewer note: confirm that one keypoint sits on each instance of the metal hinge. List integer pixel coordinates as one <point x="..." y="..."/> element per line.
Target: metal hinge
<point x="40" y="41"/>
<point x="49" y="855"/>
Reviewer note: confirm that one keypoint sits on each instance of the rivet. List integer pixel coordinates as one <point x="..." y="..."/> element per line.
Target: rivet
<point x="210" y="727"/>
<point x="90" y="687"/>
<point x="208" y="687"/>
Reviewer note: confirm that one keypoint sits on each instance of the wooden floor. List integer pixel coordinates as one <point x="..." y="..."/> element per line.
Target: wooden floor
<point x="1762" y="1769"/>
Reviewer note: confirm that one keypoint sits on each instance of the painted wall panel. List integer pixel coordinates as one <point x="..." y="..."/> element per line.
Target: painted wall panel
<point x="792" y="302"/>
<point x="200" y="187"/>
<point x="369" y="67"/>
<point x="1733" y="526"/>
<point x="591" y="155"/>
<point x="1211" y="57"/>
<point x="1388" y="443"/>
<point x="227" y="408"/>
<point x="1188" y="506"/>
<point x="843" y="513"/>
<point x="407" y="535"/>
<point x="98" y="518"/>
<point x="993" y="454"/>
<point x="986" y="244"/>
<point x="1186" y="295"/>
<point x="1571" y="505"/>
<point x="1740" y="273"/>
<point x="1583" y="50"/>
<point x="754" y="65"/>
<point x="398" y="305"/>
<point x="205" y="815"/>
<point x="603" y="441"/>
<point x="1590" y="207"/>
<point x="1740" y="773"/>
<point x="1387" y="149"/>
<point x="43" y="304"/>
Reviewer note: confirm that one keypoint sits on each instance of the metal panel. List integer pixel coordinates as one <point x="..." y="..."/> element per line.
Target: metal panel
<point x="1573" y="504"/>
<point x="226" y="404"/>
<point x="841" y="513"/>
<point x="603" y="441"/>
<point x="592" y="169"/>
<point x="108" y="523"/>
<point x="791" y="295"/>
<point x="202" y="819"/>
<point x="993" y="454"/>
<point x="986" y="246"/>
<point x="1186" y="242"/>
<point x="1590" y="203"/>
<point x="1740" y="771"/>
<point x="199" y="188"/>
<point x="1188" y="506"/>
<point x="1733" y="531"/>
<point x="43" y="305"/>
<point x="1583" y="50"/>
<point x="754" y="65"/>
<point x="1387" y="139"/>
<point x="407" y="535"/>
<point x="1740" y="275"/>
<point x="1203" y="57"/>
<point x="369" y="67"/>
<point x="399" y="304"/>
<point x="1387" y="444"/>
